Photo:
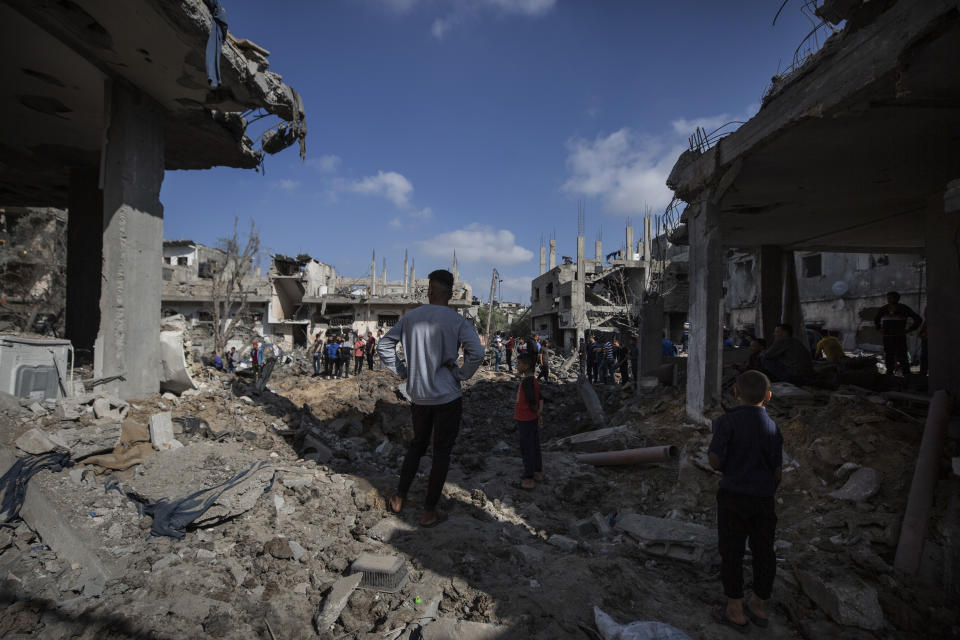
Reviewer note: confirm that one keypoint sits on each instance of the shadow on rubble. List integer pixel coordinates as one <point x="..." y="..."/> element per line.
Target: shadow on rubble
<point x="490" y="565"/>
<point x="105" y="624"/>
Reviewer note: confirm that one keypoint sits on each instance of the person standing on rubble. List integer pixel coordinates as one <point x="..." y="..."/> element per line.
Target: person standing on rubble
<point x="747" y="448"/>
<point x="528" y="413"/>
<point x="330" y="357"/>
<point x="594" y="353"/>
<point x="370" y="349"/>
<point x="431" y="336"/>
<point x="622" y="354"/>
<point x="891" y="320"/>
<point x="508" y="347"/>
<point x="545" y="361"/>
<point x="256" y="359"/>
<point x="317" y="352"/>
<point x="358" y="348"/>
<point x="607" y="365"/>
<point x="497" y="350"/>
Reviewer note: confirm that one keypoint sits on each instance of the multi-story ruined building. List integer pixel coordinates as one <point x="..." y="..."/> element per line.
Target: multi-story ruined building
<point x="640" y="290"/>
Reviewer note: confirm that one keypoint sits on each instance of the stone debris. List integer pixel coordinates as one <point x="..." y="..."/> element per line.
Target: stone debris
<point x="862" y="485"/>
<point x="847" y="599"/>
<point x="161" y="431"/>
<point x="36" y="442"/>
<point x="335" y="601"/>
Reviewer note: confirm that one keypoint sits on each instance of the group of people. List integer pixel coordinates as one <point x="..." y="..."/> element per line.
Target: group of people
<point x="603" y="360"/>
<point x="792" y="359"/>
<point x="332" y="358"/>
<point x="504" y="348"/>
<point x="232" y="358"/>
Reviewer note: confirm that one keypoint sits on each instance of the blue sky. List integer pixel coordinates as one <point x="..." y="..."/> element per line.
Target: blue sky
<point x="477" y="125"/>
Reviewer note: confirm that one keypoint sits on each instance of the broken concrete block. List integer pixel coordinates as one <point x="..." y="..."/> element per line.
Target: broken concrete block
<point x="295" y="480"/>
<point x="389" y="527"/>
<point x="100" y="407"/>
<point x="862" y="485"/>
<point x="36" y="442"/>
<point x="601" y="523"/>
<point x="671" y="538"/>
<point x="584" y="528"/>
<point x="41" y="515"/>
<point x="10" y="404"/>
<point x="161" y="431"/>
<point x="562" y="542"/>
<point x="297" y="551"/>
<point x="847" y="600"/>
<point x="530" y="555"/>
<point x="607" y="439"/>
<point x="335" y="601"/>
<point x="92" y="439"/>
<point x="452" y="629"/>
<point x="37" y="409"/>
<point x="844" y="471"/>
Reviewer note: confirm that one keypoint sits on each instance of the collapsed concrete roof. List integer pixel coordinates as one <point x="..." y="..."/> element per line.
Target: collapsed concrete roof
<point x="59" y="56"/>
<point x="848" y="149"/>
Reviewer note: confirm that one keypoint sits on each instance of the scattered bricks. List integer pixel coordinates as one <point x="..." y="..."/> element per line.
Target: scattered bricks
<point x="161" y="431"/>
<point x="335" y="601"/>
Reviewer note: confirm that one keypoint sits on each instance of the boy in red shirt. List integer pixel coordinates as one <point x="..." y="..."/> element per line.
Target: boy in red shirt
<point x="528" y="413"/>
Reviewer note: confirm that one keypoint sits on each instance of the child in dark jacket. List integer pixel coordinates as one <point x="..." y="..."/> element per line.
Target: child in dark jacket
<point x="528" y="413"/>
<point x="747" y="448"/>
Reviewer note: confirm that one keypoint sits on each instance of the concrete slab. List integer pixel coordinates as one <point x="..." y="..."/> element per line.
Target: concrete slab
<point x="452" y="629"/>
<point x="161" y="431"/>
<point x="335" y="601"/>
<point x="675" y="539"/>
<point x="42" y="516"/>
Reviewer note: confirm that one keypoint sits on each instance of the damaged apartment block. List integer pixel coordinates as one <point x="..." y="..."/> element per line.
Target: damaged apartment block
<point x="104" y="99"/>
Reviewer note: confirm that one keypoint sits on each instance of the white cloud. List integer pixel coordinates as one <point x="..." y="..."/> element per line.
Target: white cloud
<point x="422" y="214"/>
<point x="286" y="184"/>
<point x="396" y="223"/>
<point x="477" y="243"/>
<point x="440" y="27"/>
<point x="325" y="164"/>
<point x="463" y="10"/>
<point x="628" y="170"/>
<point x="527" y="7"/>
<point x="390" y="185"/>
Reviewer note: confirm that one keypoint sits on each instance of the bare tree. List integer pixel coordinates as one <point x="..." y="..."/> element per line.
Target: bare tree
<point x="228" y="294"/>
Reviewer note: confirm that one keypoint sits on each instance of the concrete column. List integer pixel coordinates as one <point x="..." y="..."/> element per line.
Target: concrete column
<point x="769" y="309"/>
<point x="405" y="288"/>
<point x="581" y="256"/>
<point x="543" y="260"/>
<point x="706" y="306"/>
<point x="647" y="240"/>
<point x="553" y="254"/>
<point x="128" y="342"/>
<point x="84" y="257"/>
<point x="373" y="274"/>
<point x="792" y="309"/>
<point x="651" y="334"/>
<point x="630" y="247"/>
<point x="943" y="294"/>
<point x="598" y="251"/>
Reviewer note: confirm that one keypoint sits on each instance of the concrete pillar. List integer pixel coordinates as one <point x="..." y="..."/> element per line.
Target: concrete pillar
<point x="629" y="255"/>
<point x="543" y="260"/>
<point x="792" y="309"/>
<point x="581" y="267"/>
<point x="456" y="270"/>
<point x="128" y="342"/>
<point x="706" y="306"/>
<point x="405" y="287"/>
<point x="413" y="278"/>
<point x="84" y="257"/>
<point x="943" y="294"/>
<point x="647" y="240"/>
<point x="598" y="251"/>
<point x="553" y="254"/>
<point x="651" y="334"/>
<point x="769" y="309"/>
<point x="373" y="274"/>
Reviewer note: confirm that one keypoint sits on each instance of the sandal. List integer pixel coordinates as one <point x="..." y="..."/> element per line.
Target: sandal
<point x="724" y="620"/>
<point x="441" y="517"/>
<point x="754" y="618"/>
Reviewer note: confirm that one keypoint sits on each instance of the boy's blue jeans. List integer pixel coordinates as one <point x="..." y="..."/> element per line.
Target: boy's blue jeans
<point x="497" y="354"/>
<point x="529" y="435"/>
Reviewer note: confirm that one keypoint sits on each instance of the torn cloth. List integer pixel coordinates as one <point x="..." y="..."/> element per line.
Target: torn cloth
<point x="13" y="484"/>
<point x="218" y="32"/>
<point x="172" y="516"/>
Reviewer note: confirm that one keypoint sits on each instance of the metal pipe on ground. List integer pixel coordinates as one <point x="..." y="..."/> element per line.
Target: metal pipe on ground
<point x="915" y="519"/>
<point x="629" y="456"/>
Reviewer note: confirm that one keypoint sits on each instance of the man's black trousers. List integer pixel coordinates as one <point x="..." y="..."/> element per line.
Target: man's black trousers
<point x="739" y="517"/>
<point x="442" y="423"/>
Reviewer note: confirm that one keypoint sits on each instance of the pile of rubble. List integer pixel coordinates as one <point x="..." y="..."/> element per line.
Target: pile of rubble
<point x="247" y="514"/>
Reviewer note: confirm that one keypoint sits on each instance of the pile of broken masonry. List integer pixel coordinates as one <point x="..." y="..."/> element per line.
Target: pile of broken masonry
<point x="287" y="505"/>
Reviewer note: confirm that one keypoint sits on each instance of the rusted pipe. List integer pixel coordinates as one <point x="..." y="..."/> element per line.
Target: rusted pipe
<point x="629" y="456"/>
<point x="914" y="528"/>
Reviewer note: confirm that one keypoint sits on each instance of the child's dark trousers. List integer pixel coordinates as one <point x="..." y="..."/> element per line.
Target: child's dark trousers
<point x="529" y="434"/>
<point x="739" y="517"/>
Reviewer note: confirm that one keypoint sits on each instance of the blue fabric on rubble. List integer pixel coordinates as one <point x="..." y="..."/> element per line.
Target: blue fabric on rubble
<point x="171" y="517"/>
<point x="13" y="484"/>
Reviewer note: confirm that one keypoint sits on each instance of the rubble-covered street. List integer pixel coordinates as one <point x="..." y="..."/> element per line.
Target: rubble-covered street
<point x="269" y="556"/>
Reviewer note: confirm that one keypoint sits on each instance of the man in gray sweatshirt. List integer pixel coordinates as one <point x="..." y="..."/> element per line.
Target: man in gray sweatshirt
<point x="431" y="336"/>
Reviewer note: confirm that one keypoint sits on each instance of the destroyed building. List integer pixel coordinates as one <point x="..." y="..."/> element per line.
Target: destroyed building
<point x="310" y="299"/>
<point x="838" y="292"/>
<point x="102" y="99"/>
<point x="811" y="172"/>
<point x="642" y="292"/>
